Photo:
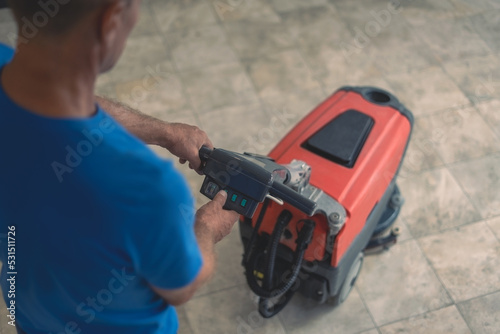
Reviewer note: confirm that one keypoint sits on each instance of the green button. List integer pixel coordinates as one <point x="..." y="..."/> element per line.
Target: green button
<point x="234" y="197"/>
<point x="243" y="202"/>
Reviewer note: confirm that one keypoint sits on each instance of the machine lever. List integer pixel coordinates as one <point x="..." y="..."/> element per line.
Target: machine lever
<point x="275" y="199"/>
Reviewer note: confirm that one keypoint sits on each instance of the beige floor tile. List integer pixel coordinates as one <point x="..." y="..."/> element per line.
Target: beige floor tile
<point x="218" y="86"/>
<point x="427" y="91"/>
<point x="494" y="224"/>
<point x="380" y="25"/>
<point x="237" y="128"/>
<point x="230" y="272"/>
<point x="445" y="320"/>
<point x="229" y="311"/>
<point x="248" y="11"/>
<point x="464" y="259"/>
<point x="196" y="48"/>
<point x="411" y="55"/>
<point x="281" y="73"/>
<point x="486" y="24"/>
<point x="314" y="26"/>
<point x="339" y="65"/>
<point x="160" y="93"/>
<point x="400" y="283"/>
<point x="420" y="13"/>
<point x="284" y="112"/>
<point x="146" y="24"/>
<point x="256" y="39"/>
<point x="421" y="154"/>
<point x="107" y="91"/>
<point x="472" y="6"/>
<point x="303" y="316"/>
<point x="458" y="135"/>
<point x="287" y="5"/>
<point x="434" y="202"/>
<point x="482" y="313"/>
<point x="140" y="55"/>
<point x="359" y="13"/>
<point x="371" y="331"/>
<point x="180" y="14"/>
<point x="8" y="28"/>
<point x="489" y="111"/>
<point x="398" y="48"/>
<point x="184" y="326"/>
<point x="480" y="179"/>
<point x="478" y="77"/>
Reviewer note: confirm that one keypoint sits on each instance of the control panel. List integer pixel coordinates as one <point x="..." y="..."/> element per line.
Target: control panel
<point x="248" y="180"/>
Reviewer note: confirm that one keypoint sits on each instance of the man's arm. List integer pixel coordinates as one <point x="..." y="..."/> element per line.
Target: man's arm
<point x="212" y="224"/>
<point x="182" y="140"/>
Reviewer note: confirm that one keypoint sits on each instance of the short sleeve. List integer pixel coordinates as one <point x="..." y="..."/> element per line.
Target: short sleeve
<point x="166" y="250"/>
<point x="6" y="54"/>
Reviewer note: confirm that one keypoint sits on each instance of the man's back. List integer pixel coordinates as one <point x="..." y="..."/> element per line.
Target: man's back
<point x="105" y="232"/>
<point x="97" y="217"/>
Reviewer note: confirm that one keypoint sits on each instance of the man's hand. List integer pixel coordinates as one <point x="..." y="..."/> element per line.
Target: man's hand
<point x="214" y="220"/>
<point x="185" y="142"/>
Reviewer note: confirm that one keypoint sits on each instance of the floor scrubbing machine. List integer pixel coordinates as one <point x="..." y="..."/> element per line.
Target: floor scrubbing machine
<point x="321" y="199"/>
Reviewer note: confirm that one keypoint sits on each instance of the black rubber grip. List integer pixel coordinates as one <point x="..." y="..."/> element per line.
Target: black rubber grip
<point x="204" y="153"/>
<point x="288" y="195"/>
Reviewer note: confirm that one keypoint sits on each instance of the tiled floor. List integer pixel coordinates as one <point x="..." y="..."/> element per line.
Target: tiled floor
<point x="247" y="70"/>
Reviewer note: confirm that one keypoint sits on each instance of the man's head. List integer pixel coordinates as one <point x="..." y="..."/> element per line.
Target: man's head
<point x="103" y="23"/>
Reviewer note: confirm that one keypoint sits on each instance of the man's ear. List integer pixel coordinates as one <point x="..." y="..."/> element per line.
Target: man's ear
<point x="111" y="22"/>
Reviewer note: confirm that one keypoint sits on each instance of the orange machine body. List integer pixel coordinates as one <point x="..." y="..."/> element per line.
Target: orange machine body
<point x="358" y="188"/>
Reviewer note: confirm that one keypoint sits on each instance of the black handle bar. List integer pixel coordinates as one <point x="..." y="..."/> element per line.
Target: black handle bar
<point x="247" y="179"/>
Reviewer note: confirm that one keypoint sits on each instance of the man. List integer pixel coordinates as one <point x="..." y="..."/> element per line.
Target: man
<point x="103" y="236"/>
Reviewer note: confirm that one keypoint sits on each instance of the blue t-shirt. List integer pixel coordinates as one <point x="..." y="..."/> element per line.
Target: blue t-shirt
<point x="97" y="217"/>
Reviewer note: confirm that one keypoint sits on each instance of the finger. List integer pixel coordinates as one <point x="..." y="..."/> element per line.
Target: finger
<point x="182" y="161"/>
<point x="209" y="144"/>
<point x="220" y="198"/>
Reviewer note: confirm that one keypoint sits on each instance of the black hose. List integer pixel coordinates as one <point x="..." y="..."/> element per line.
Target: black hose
<point x="285" y="293"/>
<point x="251" y="260"/>
<point x="265" y="291"/>
<point x="249" y="247"/>
<point x="282" y="222"/>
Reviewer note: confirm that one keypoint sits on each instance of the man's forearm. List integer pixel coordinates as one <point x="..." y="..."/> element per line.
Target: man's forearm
<point x="182" y="140"/>
<point x="149" y="129"/>
<point x="207" y="248"/>
<point x="206" y="244"/>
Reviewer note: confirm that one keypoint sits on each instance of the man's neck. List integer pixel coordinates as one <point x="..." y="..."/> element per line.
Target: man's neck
<point x="51" y="81"/>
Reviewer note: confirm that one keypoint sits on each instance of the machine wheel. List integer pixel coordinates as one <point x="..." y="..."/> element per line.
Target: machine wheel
<point x="350" y="279"/>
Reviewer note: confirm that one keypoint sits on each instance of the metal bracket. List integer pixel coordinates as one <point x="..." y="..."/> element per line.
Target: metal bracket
<point x="329" y="207"/>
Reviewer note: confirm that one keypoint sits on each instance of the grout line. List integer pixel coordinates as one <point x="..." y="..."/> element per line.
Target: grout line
<point x="451" y="229"/>
<point x="217" y="291"/>
<point x="490" y="126"/>
<point x="490" y="228"/>
<point x="467" y="160"/>
<point x="435" y="274"/>
<point x="450" y="166"/>
<point x="416" y="315"/>
<point x="478" y="297"/>
<point x="366" y="307"/>
<point x="463" y="317"/>
<point x="471" y="299"/>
